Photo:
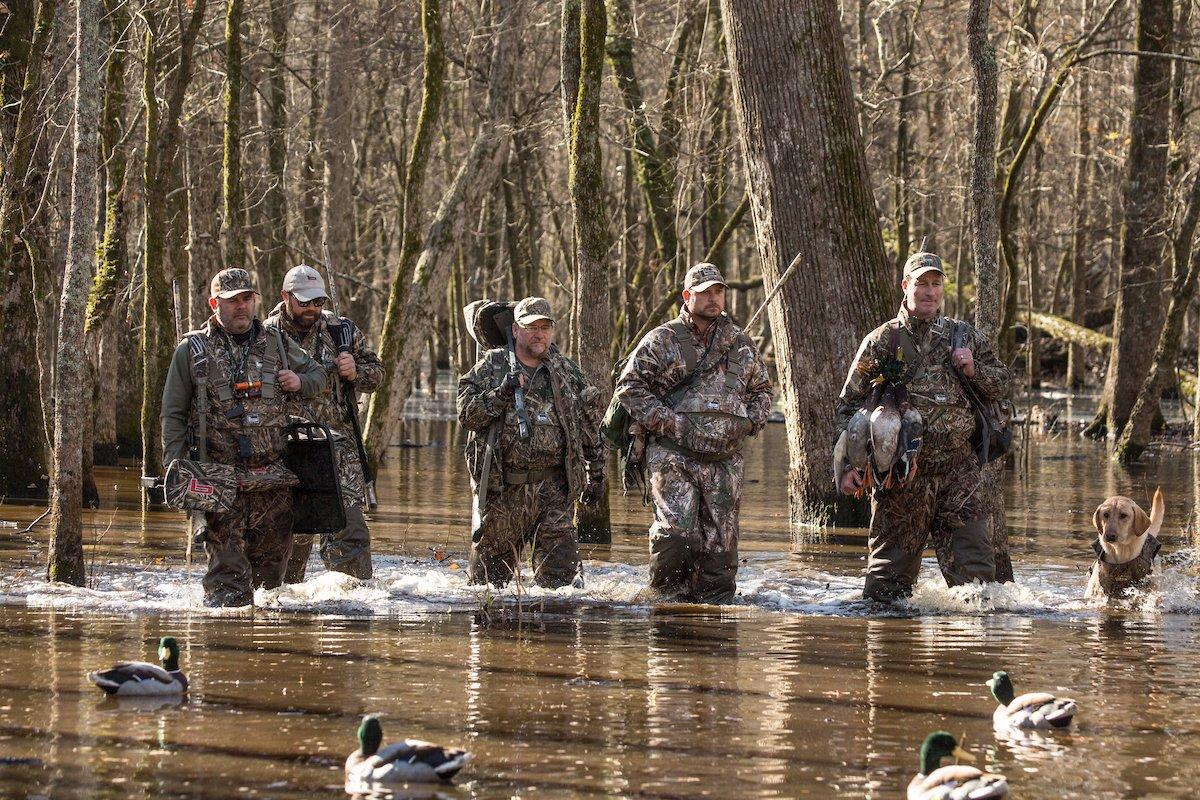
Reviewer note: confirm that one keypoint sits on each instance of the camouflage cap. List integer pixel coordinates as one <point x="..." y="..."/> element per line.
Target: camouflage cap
<point x="304" y="283"/>
<point x="531" y="309"/>
<point x="920" y="263"/>
<point x="230" y="283"/>
<point x="702" y="276"/>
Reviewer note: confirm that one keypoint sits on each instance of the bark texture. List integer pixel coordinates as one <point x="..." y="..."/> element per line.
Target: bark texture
<point x="984" y="236"/>
<point x="70" y="407"/>
<point x="810" y="195"/>
<point x="593" y="345"/>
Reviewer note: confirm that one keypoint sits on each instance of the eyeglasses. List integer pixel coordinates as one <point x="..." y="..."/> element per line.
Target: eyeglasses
<point x="319" y="302"/>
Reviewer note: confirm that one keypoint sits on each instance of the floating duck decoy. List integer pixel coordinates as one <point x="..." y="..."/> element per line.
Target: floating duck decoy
<point x="410" y="761"/>
<point x="1031" y="711"/>
<point x="955" y="781"/>
<point x="142" y="679"/>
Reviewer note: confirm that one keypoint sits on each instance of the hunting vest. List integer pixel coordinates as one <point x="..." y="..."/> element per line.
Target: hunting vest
<point x="239" y="411"/>
<point x="1116" y="578"/>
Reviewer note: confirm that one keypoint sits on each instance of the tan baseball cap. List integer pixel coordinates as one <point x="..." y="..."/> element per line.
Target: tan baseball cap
<point x="920" y="263"/>
<point x="531" y="309"/>
<point x="230" y="283"/>
<point x="702" y="276"/>
<point x="304" y="283"/>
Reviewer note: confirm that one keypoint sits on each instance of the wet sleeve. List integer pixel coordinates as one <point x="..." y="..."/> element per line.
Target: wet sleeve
<point x="858" y="382"/>
<point x="634" y="387"/>
<point x="370" y="368"/>
<point x="310" y="371"/>
<point x="759" y="390"/>
<point x="480" y="400"/>
<point x="992" y="379"/>
<point x="178" y="393"/>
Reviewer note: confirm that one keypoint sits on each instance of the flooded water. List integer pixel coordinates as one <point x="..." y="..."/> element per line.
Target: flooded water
<point x="799" y="690"/>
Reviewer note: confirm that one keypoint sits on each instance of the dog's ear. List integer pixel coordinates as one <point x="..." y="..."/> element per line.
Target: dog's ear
<point x="1141" y="520"/>
<point x="1096" y="519"/>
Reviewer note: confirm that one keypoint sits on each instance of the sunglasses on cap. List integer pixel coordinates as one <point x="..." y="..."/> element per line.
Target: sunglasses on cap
<point x="319" y="302"/>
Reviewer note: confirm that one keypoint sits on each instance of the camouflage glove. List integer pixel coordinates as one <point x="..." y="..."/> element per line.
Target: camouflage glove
<point x="512" y="382"/>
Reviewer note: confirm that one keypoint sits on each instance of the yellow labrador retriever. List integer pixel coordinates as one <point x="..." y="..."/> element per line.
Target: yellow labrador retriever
<point x="1126" y="545"/>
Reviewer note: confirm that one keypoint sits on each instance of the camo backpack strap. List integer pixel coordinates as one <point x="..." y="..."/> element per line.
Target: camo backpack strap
<point x="683" y="337"/>
<point x="273" y="358"/>
<point x="198" y="347"/>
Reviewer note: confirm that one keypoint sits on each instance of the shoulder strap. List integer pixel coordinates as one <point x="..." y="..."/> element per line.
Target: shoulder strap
<point x="683" y="338"/>
<point x="199" y="351"/>
<point x="274" y="359"/>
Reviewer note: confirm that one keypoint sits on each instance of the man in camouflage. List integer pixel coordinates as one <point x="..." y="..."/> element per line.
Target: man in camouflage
<point x="532" y="483"/>
<point x="694" y="437"/>
<point x="242" y="371"/>
<point x="299" y="314"/>
<point x="943" y="501"/>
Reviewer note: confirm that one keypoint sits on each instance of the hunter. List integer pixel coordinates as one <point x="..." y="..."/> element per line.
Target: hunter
<point x="224" y="401"/>
<point x="942" y="502"/>
<point x="534" y="480"/>
<point x="351" y="369"/>
<point x="696" y="388"/>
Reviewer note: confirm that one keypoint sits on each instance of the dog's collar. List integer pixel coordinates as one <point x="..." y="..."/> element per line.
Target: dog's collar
<point x="1149" y="551"/>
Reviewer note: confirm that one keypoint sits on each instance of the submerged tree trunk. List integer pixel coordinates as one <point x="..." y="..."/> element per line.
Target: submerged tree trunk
<point x="586" y="178"/>
<point x="1186" y="270"/>
<point x="1139" y="311"/>
<point x="984" y="235"/>
<point x="24" y="38"/>
<point x="400" y="351"/>
<point x="66" y="514"/>
<point x="791" y="83"/>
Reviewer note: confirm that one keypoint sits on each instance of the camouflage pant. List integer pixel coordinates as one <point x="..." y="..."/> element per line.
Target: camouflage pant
<point x="247" y="546"/>
<point x="347" y="550"/>
<point x="943" y="506"/>
<point x="694" y="538"/>
<point x="538" y="514"/>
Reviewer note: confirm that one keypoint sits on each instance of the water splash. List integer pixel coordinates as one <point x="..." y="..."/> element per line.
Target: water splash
<point x="405" y="585"/>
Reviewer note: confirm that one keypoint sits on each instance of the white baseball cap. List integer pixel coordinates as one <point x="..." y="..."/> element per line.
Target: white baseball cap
<point x="304" y="283"/>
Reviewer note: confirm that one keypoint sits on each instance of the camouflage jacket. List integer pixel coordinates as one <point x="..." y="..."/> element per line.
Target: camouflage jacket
<point x="564" y="413"/>
<point x="328" y="408"/>
<point x="934" y="389"/>
<point x="256" y="414"/>
<point x="729" y="400"/>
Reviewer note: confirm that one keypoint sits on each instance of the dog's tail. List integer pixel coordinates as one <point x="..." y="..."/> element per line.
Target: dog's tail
<point x="1157" y="510"/>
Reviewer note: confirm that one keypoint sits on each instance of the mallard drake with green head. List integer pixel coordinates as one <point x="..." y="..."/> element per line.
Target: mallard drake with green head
<point x="142" y="679"/>
<point x="1032" y="711"/>
<point x="410" y="761"/>
<point x="954" y="781"/>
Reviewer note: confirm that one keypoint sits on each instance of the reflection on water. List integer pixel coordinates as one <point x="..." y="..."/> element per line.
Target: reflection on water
<point x="801" y="690"/>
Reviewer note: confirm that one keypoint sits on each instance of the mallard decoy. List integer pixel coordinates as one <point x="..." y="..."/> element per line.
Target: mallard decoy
<point x="1032" y="711"/>
<point x="410" y="761"/>
<point x="142" y="679"/>
<point x="955" y="781"/>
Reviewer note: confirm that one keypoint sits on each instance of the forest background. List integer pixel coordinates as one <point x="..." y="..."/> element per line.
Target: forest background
<point x="588" y="151"/>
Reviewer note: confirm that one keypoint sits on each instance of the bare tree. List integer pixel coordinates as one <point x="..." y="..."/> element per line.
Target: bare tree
<point x="66" y="523"/>
<point x="811" y="199"/>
